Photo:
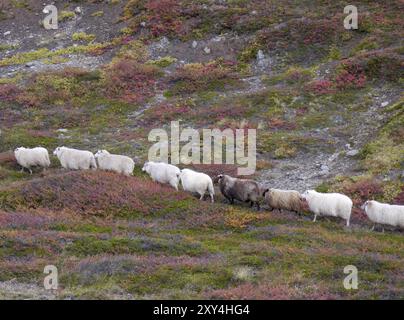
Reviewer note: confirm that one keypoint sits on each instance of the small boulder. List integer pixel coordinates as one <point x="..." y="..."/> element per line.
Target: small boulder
<point x="352" y="153"/>
<point x="207" y="50"/>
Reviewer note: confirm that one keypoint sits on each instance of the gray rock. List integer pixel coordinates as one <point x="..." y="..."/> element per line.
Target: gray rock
<point x="324" y="167"/>
<point x="338" y="119"/>
<point x="352" y="153"/>
<point x="207" y="50"/>
<point x="194" y="44"/>
<point x="218" y="38"/>
<point x="260" y="55"/>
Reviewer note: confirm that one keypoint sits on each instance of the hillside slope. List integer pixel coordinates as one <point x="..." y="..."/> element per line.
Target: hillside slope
<point x="327" y="104"/>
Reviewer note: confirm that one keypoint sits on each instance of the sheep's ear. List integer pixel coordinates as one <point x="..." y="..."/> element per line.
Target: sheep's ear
<point x="265" y="191"/>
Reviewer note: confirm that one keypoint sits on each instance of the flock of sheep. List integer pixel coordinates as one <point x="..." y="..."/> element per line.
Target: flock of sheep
<point x="245" y="190"/>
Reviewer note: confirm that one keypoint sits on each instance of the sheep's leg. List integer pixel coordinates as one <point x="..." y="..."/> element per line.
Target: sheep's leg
<point x="258" y="206"/>
<point x="22" y="169"/>
<point x="30" y="171"/>
<point x="212" y="198"/>
<point x="251" y="204"/>
<point x="202" y="196"/>
<point x="315" y="218"/>
<point x="382" y="229"/>
<point x="174" y="184"/>
<point x="347" y="223"/>
<point x="373" y="228"/>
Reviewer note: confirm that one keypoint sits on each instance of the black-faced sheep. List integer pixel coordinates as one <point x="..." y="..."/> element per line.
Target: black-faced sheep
<point x="244" y="190"/>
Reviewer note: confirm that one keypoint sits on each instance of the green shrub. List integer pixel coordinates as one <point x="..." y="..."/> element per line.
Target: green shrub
<point x="82" y="36"/>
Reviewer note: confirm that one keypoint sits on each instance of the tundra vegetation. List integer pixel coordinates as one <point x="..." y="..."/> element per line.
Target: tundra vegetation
<point x="317" y="88"/>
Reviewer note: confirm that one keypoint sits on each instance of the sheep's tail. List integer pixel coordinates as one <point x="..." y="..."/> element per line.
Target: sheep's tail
<point x="211" y="189"/>
<point x="48" y="163"/>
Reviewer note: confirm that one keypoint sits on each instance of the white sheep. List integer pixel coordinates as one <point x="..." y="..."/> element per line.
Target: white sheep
<point x="384" y="213"/>
<point x="114" y="162"/>
<point x="28" y="158"/>
<point x="74" y="159"/>
<point x="197" y="182"/>
<point x="328" y="204"/>
<point x="163" y="173"/>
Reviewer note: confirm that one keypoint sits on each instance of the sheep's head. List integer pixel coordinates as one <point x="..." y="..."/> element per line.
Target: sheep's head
<point x="305" y="195"/>
<point x="18" y="149"/>
<point x="97" y="154"/>
<point x="364" y="206"/>
<point x="56" y="151"/>
<point x="218" y="178"/>
<point x="145" y="166"/>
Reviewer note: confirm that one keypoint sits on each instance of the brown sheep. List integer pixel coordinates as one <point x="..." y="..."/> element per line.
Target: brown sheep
<point x="284" y="200"/>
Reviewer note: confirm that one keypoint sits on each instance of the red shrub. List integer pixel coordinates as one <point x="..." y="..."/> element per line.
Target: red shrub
<point x="8" y="92"/>
<point x="7" y="157"/>
<point x="300" y="32"/>
<point x="164" y="17"/>
<point x="351" y="76"/>
<point x="320" y="87"/>
<point x="280" y="124"/>
<point x="129" y="81"/>
<point x="163" y="113"/>
<point x="363" y="190"/>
